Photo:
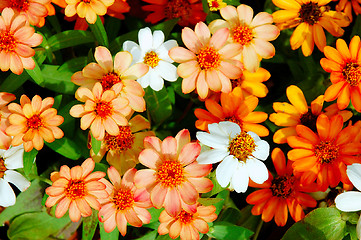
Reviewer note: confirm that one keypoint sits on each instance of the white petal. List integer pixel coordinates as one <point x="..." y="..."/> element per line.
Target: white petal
<point x="230" y="128"/>
<point x="240" y="178"/>
<point x="163" y="50"/>
<point x="144" y="81"/>
<point x="158" y="39"/>
<point x="129" y="45"/>
<point x="155" y="81"/>
<point x="354" y="174"/>
<point x="257" y="170"/>
<point x="348" y="201"/>
<point x="145" y="39"/>
<point x="138" y="55"/>
<point x="254" y="136"/>
<point x="262" y="150"/>
<point x="14" y="157"/>
<point x="225" y="170"/>
<point x="7" y="195"/>
<point x="212" y="156"/>
<point x="17" y="179"/>
<point x="167" y="71"/>
<point x="213" y="140"/>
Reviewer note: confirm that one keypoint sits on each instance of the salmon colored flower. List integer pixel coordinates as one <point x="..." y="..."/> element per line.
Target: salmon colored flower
<point x="174" y="178"/>
<point x="344" y="64"/>
<point x="309" y="17"/>
<point x="347" y="6"/>
<point x="187" y="225"/>
<point x="16" y="41"/>
<point x="103" y="111"/>
<point x="88" y="9"/>
<point x="215" y="5"/>
<point x="5" y="99"/>
<point x="109" y="73"/>
<point x="208" y="63"/>
<point x="253" y="34"/>
<point x="76" y="189"/>
<point x="33" y="122"/>
<point x="323" y="156"/>
<point x="234" y="108"/>
<point x="123" y="149"/>
<point x="189" y="11"/>
<point x="281" y="194"/>
<point x="297" y="112"/>
<point x="125" y="204"/>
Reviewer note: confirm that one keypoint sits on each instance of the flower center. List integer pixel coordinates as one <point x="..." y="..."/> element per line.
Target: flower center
<point x="109" y="79"/>
<point x="103" y="109"/>
<point x="151" y="59"/>
<point x="326" y="152"/>
<point x="86" y="1"/>
<point x="235" y="120"/>
<point x="123" y="199"/>
<point x="176" y="9"/>
<point x="282" y="186"/>
<point x="352" y="73"/>
<point x="242" y="34"/>
<point x="122" y="142"/>
<point x="242" y="146"/>
<point x="309" y="120"/>
<point x="184" y="217"/>
<point x="170" y="174"/>
<point x="7" y="41"/>
<point x="35" y="122"/>
<point x="75" y="189"/>
<point x="19" y="5"/>
<point x="208" y="58"/>
<point x="2" y="168"/>
<point x="310" y="13"/>
<point x="214" y="4"/>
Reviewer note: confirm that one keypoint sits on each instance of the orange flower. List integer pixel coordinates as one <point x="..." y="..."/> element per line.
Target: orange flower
<point x="125" y="204"/>
<point x="187" y="225"/>
<point x="33" y="122"/>
<point x="346" y="6"/>
<point x="123" y="149"/>
<point x="5" y="98"/>
<point x="103" y="111"/>
<point x="88" y="9"/>
<point x="281" y="194"/>
<point x="344" y="64"/>
<point x="174" y="179"/>
<point x="291" y="115"/>
<point x="233" y="108"/>
<point x="16" y="40"/>
<point x="215" y="5"/>
<point x="76" y="189"/>
<point x="325" y="154"/>
<point x="309" y="17"/>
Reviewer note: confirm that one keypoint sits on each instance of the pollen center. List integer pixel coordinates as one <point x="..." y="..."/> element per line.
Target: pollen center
<point x="309" y="120"/>
<point x="326" y="152"/>
<point x="234" y="119"/>
<point x="176" y="9"/>
<point x="310" y="13"/>
<point x="170" y="174"/>
<point x="184" y="217"/>
<point x="103" y="109"/>
<point x="19" y="5"/>
<point x="109" y="79"/>
<point x="208" y="58"/>
<point x="123" y="199"/>
<point x="86" y="1"/>
<point x="242" y="35"/>
<point x="7" y="41"/>
<point x="151" y="59"/>
<point x="282" y="186"/>
<point x="2" y="168"/>
<point x="35" y="122"/>
<point x="122" y="142"/>
<point x="242" y="146"/>
<point x="75" y="189"/>
<point x="352" y="73"/>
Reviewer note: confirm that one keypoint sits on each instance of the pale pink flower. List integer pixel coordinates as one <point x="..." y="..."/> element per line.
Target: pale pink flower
<point x="5" y="98"/>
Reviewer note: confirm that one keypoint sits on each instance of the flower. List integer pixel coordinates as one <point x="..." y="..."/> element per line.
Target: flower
<point x="344" y="64"/>
<point x="309" y="18"/>
<point x="189" y="11"/>
<point x="125" y="204"/>
<point x="123" y="149"/>
<point x="240" y="155"/>
<point x="33" y="122"/>
<point x="10" y="160"/>
<point x="5" y="98"/>
<point x="76" y="189"/>
<point x="88" y="9"/>
<point x="208" y="63"/>
<point x="153" y="51"/>
<point x="297" y="113"/>
<point x="215" y="5"/>
<point x="16" y="41"/>
<point x="253" y="34"/>
<point x="281" y="194"/>
<point x="233" y="108"/>
<point x="323" y="156"/>
<point x="174" y="178"/>
<point x="187" y="225"/>
<point x="346" y="6"/>
<point x="103" y="111"/>
<point x="109" y="73"/>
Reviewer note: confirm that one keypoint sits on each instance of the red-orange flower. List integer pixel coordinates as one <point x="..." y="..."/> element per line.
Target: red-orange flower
<point x="5" y="98"/>
<point x="281" y="194"/>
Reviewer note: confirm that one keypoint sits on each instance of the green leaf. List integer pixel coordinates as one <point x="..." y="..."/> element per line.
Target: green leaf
<point x="114" y="235"/>
<point x="216" y="187"/>
<point x="58" y="81"/>
<point x="247" y="219"/>
<point x="96" y="144"/>
<point x="70" y="38"/>
<point x="166" y="27"/>
<point x="209" y="201"/>
<point x="158" y="104"/>
<point x="13" y="82"/>
<point x="154" y="223"/>
<point x="99" y="32"/>
<point x="149" y="236"/>
<point x="356" y="27"/>
<point x="74" y="64"/>
<point x="36" y="75"/>
<point x="29" y="160"/>
<point x="89" y="225"/>
<point x="224" y="230"/>
<point x="66" y="147"/>
<point x="223" y="196"/>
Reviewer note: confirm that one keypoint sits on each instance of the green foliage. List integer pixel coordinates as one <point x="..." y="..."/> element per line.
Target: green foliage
<point x="159" y="105"/>
<point x="69" y="38"/>
<point x="99" y="32"/>
<point x="89" y="225"/>
<point x="225" y="230"/>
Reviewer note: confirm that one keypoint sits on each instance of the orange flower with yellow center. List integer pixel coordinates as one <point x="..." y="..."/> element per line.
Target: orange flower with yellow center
<point x="88" y="9"/>
<point x="215" y="5"/>
<point x="5" y="99"/>
<point x="347" y="6"/>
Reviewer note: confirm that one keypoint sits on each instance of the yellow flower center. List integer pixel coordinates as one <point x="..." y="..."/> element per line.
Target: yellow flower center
<point x="176" y="9"/>
<point x="352" y="73"/>
<point x="184" y="217"/>
<point x="19" y="5"/>
<point x="151" y="59"/>
<point x="309" y="120"/>
<point x="282" y="186"/>
<point x="170" y="173"/>
<point x="242" y="35"/>
<point x="208" y="58"/>
<point x="75" y="189"/>
<point x="35" y="122"/>
<point x="123" y="199"/>
<point x="109" y="79"/>
<point x="122" y="142"/>
<point x="326" y="152"/>
<point x="310" y="13"/>
<point x="103" y="109"/>
<point x="242" y="146"/>
<point x="2" y="168"/>
<point x="7" y="41"/>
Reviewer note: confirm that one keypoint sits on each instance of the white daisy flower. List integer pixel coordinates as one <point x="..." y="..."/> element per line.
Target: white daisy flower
<point x="153" y="51"/>
<point x="9" y="160"/>
<point x="240" y="153"/>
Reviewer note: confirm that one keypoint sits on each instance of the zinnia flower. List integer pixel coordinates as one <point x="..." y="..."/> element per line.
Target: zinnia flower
<point x="174" y="178"/>
<point x="153" y="51"/>
<point x="10" y="160"/>
<point x="240" y="155"/>
<point x="123" y="149"/>
<point x="281" y="194"/>
<point x="76" y="189"/>
<point x="208" y="63"/>
<point x="346" y="6"/>
<point x="234" y="108"/>
<point x="323" y="156"/>
<point x="16" y="41"/>
<point x="309" y="17"/>
<point x="344" y="64"/>
<point x="187" y="225"/>
<point x="253" y="34"/>
<point x="215" y="5"/>
<point x="109" y="73"/>
<point x="125" y="204"/>
<point x="5" y="98"/>
<point x="33" y="122"/>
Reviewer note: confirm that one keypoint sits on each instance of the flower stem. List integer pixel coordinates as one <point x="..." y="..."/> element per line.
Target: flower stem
<point x="258" y="229"/>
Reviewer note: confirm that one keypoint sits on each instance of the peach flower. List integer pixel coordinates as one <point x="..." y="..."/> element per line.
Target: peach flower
<point x="5" y="98"/>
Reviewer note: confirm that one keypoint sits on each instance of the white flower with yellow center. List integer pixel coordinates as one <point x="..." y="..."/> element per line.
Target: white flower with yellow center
<point x="240" y="153"/>
<point x="153" y="51"/>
